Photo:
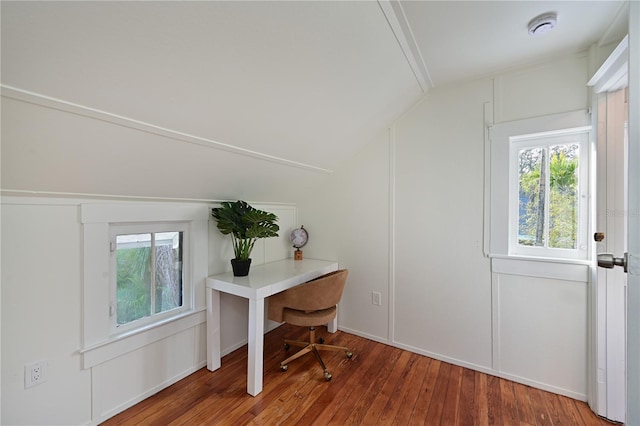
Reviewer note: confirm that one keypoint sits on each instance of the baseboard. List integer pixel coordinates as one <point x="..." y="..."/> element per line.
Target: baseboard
<point x="476" y="367"/>
<point x="110" y="413"/>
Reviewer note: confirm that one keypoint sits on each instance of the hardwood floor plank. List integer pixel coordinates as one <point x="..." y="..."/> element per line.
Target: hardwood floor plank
<point x="569" y="410"/>
<point x="539" y="407"/>
<point x="452" y="398"/>
<point x="481" y="399"/>
<point x="382" y="371"/>
<point x="436" y="404"/>
<point x="523" y="404"/>
<point x="427" y="393"/>
<point x="326" y="401"/>
<point x="354" y="408"/>
<point x="410" y="390"/>
<point x="344" y="394"/>
<point x="377" y="407"/>
<point x="396" y="398"/>
<point x="494" y="401"/>
<point x="509" y="403"/>
<point x="467" y="408"/>
<point x="380" y="385"/>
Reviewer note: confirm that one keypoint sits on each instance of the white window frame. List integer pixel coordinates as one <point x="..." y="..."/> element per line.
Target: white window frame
<point x="497" y="195"/>
<point x="149" y="228"/>
<point x="99" y="342"/>
<point x="578" y="135"/>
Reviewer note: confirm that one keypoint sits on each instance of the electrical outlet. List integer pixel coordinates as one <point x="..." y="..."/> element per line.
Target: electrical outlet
<point x="35" y="373"/>
<point x="376" y="298"/>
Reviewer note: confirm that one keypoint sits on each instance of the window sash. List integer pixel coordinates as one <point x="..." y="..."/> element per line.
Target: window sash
<point x="153" y="317"/>
<point x="547" y="140"/>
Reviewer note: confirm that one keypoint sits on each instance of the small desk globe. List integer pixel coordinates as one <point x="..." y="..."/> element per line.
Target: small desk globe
<point x="298" y="238"/>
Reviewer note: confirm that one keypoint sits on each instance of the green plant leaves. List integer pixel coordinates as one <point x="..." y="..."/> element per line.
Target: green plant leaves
<point x="245" y="224"/>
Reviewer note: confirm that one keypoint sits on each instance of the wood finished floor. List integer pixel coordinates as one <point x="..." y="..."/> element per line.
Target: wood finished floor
<point x="380" y="385"/>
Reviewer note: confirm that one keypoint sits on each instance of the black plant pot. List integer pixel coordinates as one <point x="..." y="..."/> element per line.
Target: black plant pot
<point x="240" y="267"/>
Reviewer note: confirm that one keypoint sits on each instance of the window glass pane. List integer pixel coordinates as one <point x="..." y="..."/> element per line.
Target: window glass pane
<point x="531" y="193"/>
<point x="133" y="256"/>
<point x="563" y="196"/>
<point x="168" y="271"/>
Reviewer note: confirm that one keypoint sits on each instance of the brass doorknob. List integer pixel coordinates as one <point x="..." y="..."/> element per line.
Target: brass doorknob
<point x="598" y="236"/>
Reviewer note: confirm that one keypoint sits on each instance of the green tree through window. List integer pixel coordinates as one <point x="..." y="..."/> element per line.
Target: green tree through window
<point x="149" y="274"/>
<point x="548" y="196"/>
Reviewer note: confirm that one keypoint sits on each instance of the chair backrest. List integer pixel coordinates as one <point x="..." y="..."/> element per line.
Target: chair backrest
<point x="321" y="293"/>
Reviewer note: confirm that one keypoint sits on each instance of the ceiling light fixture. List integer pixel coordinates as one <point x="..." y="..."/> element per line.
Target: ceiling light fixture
<point x="543" y="23"/>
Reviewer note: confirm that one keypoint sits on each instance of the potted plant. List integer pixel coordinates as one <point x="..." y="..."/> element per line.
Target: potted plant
<point x="246" y="225"/>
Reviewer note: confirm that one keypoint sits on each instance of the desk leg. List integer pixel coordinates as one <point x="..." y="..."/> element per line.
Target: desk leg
<point x="213" y="329"/>
<point x="332" y="326"/>
<point x="256" y="345"/>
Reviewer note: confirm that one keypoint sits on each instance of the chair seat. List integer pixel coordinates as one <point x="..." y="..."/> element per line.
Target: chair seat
<point x="309" y="319"/>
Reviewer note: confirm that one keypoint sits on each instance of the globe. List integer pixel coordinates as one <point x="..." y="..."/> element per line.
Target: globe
<point x="299" y="237"/>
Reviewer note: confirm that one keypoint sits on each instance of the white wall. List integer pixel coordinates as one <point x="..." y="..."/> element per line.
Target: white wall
<point x="348" y="220"/>
<point x="55" y="148"/>
<point x="42" y="318"/>
<point x="406" y="216"/>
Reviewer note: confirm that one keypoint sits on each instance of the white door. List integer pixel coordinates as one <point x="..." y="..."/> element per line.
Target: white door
<point x="611" y="238"/>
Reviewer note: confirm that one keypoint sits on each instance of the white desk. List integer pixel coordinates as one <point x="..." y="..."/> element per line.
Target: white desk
<point x="262" y="281"/>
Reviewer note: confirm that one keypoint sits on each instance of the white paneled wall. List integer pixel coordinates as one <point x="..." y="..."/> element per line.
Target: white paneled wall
<point x="407" y="215"/>
<point x="443" y="287"/>
<point x="42" y="320"/>
<point x="541" y="335"/>
<point x="348" y="220"/>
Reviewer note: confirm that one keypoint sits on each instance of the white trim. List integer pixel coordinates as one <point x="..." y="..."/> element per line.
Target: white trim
<point x="392" y="233"/>
<point x="476" y="367"/>
<point x="579" y="136"/>
<point x="85" y="111"/>
<point x="495" y="321"/>
<point x="121" y="344"/>
<point x="183" y="227"/>
<point x="140" y="212"/>
<point x="397" y="20"/>
<point x="486" y="234"/>
<point x="612" y="74"/>
<point x="541" y="269"/>
<point x="104" y="415"/>
<point x="633" y="278"/>
<point x="98" y="342"/>
<point x="499" y="167"/>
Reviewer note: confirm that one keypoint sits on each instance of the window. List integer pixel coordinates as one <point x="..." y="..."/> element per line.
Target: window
<point x="144" y="271"/>
<point x="147" y="274"/>
<point x="537" y="189"/>
<point x="548" y="198"/>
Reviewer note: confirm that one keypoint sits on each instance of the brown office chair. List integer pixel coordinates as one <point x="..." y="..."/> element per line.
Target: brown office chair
<point x="309" y="305"/>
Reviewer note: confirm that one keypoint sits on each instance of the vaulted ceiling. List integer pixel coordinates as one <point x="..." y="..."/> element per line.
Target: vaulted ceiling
<point x="301" y="82"/>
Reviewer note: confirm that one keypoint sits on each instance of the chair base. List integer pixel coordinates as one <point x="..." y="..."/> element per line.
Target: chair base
<point x="312" y="346"/>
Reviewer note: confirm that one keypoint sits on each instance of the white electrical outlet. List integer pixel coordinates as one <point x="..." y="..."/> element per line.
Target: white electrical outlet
<point x="35" y="373"/>
<point x="376" y="298"/>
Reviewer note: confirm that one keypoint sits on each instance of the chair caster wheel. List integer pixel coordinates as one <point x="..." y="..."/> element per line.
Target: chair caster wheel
<point x="286" y="346"/>
<point x="321" y="340"/>
<point x="327" y="376"/>
<point x="284" y="367"/>
<point x="349" y="355"/>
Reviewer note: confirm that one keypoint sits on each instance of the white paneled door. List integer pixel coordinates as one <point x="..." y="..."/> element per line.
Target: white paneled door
<point x="611" y="238"/>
